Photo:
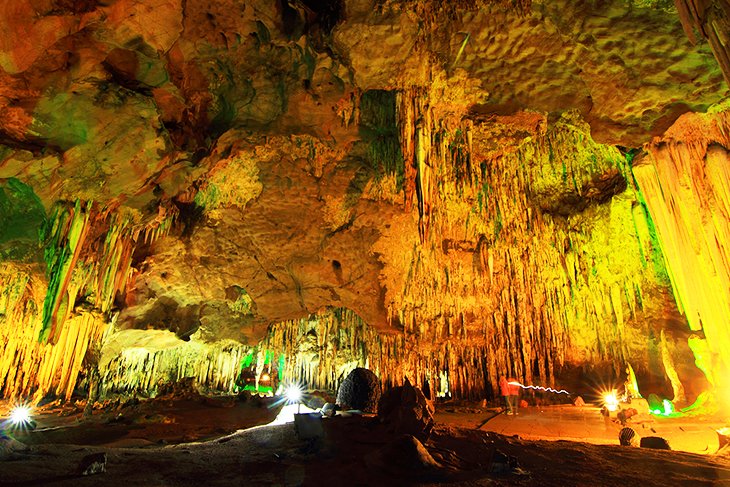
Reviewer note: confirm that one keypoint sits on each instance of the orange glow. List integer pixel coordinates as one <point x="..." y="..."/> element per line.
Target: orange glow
<point x="610" y="400"/>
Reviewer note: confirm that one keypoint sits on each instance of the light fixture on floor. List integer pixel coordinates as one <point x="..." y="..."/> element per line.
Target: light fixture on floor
<point x="20" y="417"/>
<point x="293" y="394"/>
<point x="611" y="400"/>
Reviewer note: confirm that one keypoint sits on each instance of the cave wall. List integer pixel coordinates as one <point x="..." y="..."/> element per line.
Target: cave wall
<point x="458" y="179"/>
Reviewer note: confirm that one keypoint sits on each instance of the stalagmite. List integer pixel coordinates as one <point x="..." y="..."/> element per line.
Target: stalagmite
<point x="671" y="371"/>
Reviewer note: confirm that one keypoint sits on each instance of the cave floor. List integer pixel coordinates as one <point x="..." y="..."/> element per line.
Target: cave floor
<point x="585" y="424"/>
<point x="201" y="442"/>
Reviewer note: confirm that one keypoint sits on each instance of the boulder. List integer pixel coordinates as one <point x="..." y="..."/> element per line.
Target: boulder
<point x="655" y="442"/>
<point x="93" y="464"/>
<point x="329" y="410"/>
<point x="723" y="437"/>
<point x="406" y="410"/>
<point x="316" y="399"/>
<point x="626" y="414"/>
<point x="360" y="390"/>
<point x="628" y="437"/>
<point x="502" y="463"/>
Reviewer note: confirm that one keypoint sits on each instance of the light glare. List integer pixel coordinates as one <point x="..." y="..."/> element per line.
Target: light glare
<point x="20" y="415"/>
<point x="286" y="415"/>
<point x="293" y="393"/>
<point x="611" y="401"/>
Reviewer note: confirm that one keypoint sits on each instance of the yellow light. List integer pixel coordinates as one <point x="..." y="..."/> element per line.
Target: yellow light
<point x="610" y="400"/>
<point x="265" y="377"/>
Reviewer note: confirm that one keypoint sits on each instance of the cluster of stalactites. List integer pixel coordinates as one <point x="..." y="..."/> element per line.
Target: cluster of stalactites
<point x="317" y="352"/>
<point x="430" y="145"/>
<point x="48" y="326"/>
<point x="321" y="350"/>
<point x="89" y="253"/>
<point x="213" y="367"/>
<point x="28" y="367"/>
<point x="687" y="189"/>
<point x="525" y="255"/>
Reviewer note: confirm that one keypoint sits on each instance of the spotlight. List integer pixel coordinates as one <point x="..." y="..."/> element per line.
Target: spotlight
<point x="20" y="416"/>
<point x="610" y="400"/>
<point x="293" y="393"/>
<point x="265" y="377"/>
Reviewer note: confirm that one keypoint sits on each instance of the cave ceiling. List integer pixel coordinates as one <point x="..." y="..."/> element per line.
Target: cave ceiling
<point x="243" y="148"/>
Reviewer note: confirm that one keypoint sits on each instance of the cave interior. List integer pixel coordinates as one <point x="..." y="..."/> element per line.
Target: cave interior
<point x="231" y="196"/>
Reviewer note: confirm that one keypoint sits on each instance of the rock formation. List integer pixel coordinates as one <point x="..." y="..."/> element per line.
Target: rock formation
<point x="443" y="191"/>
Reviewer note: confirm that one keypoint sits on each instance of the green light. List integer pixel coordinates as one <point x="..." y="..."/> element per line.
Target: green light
<point x="247" y="360"/>
<point x="259" y="389"/>
<point x="282" y="364"/>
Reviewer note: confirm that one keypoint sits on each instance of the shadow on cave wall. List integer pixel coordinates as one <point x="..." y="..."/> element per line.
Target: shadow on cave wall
<point x="21" y="217"/>
<point x="168" y="314"/>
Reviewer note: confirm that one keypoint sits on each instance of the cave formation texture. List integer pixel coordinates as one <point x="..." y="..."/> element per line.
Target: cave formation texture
<point x="439" y="191"/>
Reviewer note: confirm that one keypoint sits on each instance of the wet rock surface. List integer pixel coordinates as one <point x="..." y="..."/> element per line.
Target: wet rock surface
<point x="360" y="390"/>
<point x="406" y="410"/>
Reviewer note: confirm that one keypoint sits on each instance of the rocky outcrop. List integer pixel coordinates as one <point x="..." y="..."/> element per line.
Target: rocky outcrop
<point x="405" y="410"/>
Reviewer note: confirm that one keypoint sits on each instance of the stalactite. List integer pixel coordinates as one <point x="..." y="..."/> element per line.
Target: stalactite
<point x="70" y="227"/>
<point x="685" y="186"/>
<point x="406" y="112"/>
<point x="47" y="326"/>
<point x="711" y="18"/>
<point x="214" y="367"/>
<point x="542" y="275"/>
<point x="430" y="146"/>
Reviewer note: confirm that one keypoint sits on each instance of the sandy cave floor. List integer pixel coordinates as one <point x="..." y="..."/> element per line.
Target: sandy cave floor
<point x="215" y="441"/>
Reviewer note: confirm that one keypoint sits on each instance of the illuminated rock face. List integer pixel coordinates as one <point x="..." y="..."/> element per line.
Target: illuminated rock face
<point x="685" y="177"/>
<point x="185" y="187"/>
